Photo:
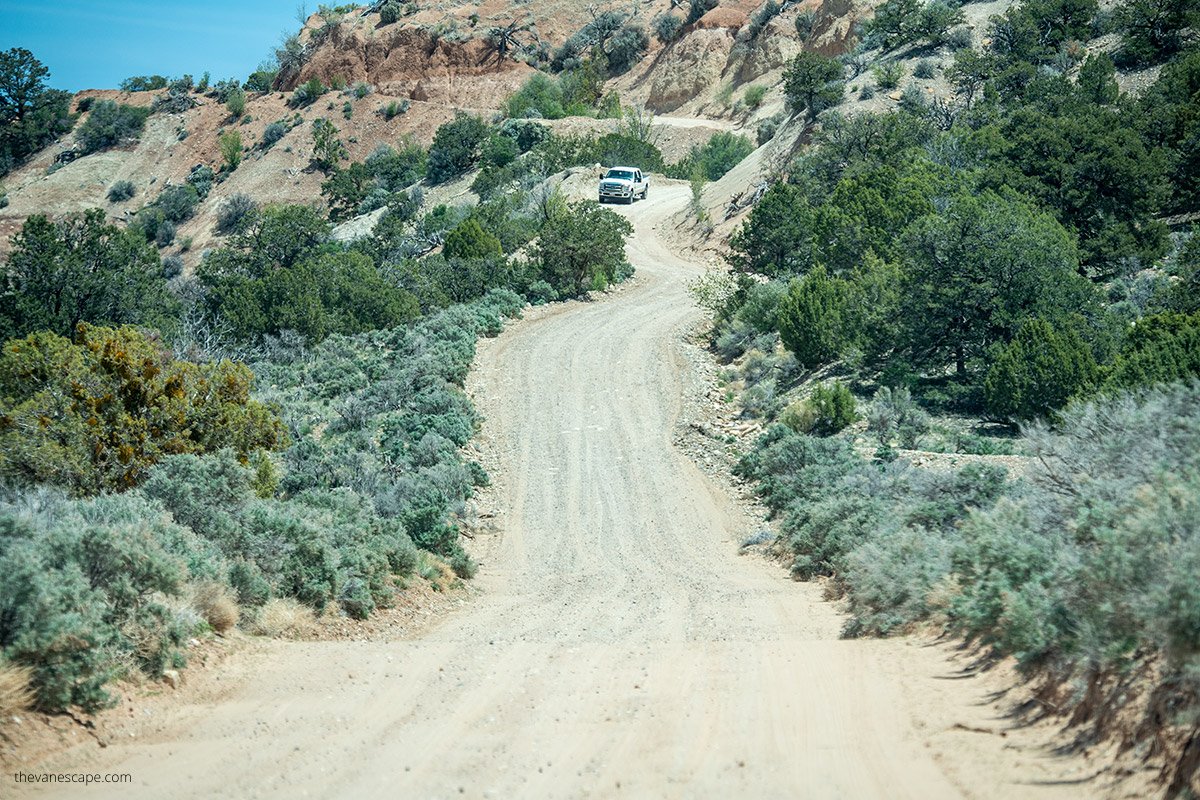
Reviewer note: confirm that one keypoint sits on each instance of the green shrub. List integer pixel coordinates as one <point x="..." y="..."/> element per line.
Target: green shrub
<point x="111" y="125"/>
<point x="178" y="203"/>
<point x="812" y="82"/>
<point x="390" y="11"/>
<point x="78" y="598"/>
<point x="626" y="47"/>
<point x="1160" y="348"/>
<point x="901" y="572"/>
<point x="769" y="11"/>
<point x="165" y="235"/>
<point x="739" y="337"/>
<point x="581" y="248"/>
<point x="698" y="8"/>
<point x="912" y="99"/>
<point x="120" y="191"/>
<point x="236" y="103"/>
<point x="1038" y="372"/>
<point x="794" y="473"/>
<point x="234" y="213"/>
<point x="146" y="222"/>
<point x="230" y="145"/>
<point x="328" y="149"/>
<point x="318" y="546"/>
<point x="621" y="149"/>
<point x="201" y="179"/>
<point x="316" y="296"/>
<point x="800" y="417"/>
<point x="272" y="134"/>
<point x="468" y="240"/>
<point x="776" y="239"/>
<point x="900" y="22"/>
<point x="307" y="93"/>
<point x="176" y="100"/>
<point x="760" y="309"/>
<point x="463" y="565"/>
<point x="959" y="38"/>
<point x="804" y="24"/>
<point x="1153" y="31"/>
<point x="666" y="27"/>
<point x="261" y="79"/>
<point x="894" y="413"/>
<point x="526" y="133"/>
<point x="396" y="169"/>
<point x="888" y="75"/>
<point x="1085" y="525"/>
<point x="811" y="319"/>
<point x="597" y="33"/>
<point x="980" y="445"/>
<point x="721" y="153"/>
<point x="933" y="23"/>
<point x="1018" y="566"/>
<point x="80" y="269"/>
<point x="834" y="409"/>
<point x="143" y="83"/>
<point x="172" y="267"/>
<point x="99" y="442"/>
<point x="347" y="189"/>
<point x="499" y="150"/>
<point x="395" y="108"/>
<point x="754" y="96"/>
<point x="540" y="292"/>
<point x="893" y="578"/>
<point x="53" y="624"/>
<point x="455" y="147"/>
<point x="249" y="583"/>
<point x="766" y="129"/>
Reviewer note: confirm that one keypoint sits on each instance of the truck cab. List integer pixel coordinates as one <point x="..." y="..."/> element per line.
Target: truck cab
<point x="625" y="184"/>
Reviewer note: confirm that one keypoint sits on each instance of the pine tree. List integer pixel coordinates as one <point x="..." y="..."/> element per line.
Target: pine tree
<point x="811" y="317"/>
<point x="1039" y="371"/>
<point x="468" y="240"/>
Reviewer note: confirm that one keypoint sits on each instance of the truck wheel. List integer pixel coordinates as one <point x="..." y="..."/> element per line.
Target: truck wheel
<point x="645" y="192"/>
<point x="629" y="201"/>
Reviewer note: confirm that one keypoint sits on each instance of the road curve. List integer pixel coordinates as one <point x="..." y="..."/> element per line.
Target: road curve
<point x="621" y="648"/>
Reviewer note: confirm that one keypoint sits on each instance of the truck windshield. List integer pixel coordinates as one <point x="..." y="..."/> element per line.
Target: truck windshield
<point x="620" y="173"/>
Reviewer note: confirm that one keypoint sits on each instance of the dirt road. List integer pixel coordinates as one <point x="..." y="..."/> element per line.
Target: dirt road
<point x="621" y="648"/>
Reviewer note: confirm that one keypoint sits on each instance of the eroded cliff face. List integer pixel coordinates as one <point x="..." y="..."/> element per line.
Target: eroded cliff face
<point x="409" y="60"/>
<point x="833" y="27"/>
<point x="719" y="49"/>
<point x="689" y="67"/>
<point x="771" y="49"/>
<point x="445" y="57"/>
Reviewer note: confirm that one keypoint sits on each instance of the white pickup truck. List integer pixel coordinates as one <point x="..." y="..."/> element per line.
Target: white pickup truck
<point x="624" y="183"/>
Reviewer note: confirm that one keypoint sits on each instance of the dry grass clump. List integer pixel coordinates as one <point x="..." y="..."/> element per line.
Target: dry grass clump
<point x="215" y="602"/>
<point x="283" y="617"/>
<point x="16" y="688"/>
<point x="435" y="570"/>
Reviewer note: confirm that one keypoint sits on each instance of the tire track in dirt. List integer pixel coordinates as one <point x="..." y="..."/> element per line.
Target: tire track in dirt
<point x="621" y="648"/>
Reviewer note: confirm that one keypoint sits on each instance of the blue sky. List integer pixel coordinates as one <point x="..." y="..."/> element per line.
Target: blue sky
<point x="98" y="45"/>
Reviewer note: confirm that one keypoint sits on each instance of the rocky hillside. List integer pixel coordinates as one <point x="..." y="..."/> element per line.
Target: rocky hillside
<point x="433" y="62"/>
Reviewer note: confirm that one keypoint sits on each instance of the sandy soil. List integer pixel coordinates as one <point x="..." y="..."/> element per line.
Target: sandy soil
<point x="620" y="647"/>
